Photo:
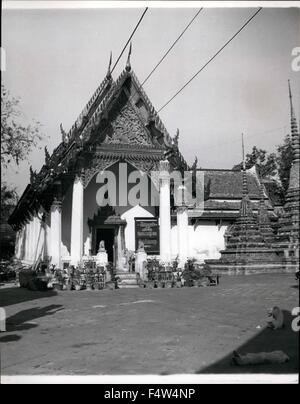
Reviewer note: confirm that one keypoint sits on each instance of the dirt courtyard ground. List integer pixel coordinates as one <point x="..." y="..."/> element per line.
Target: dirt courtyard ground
<point x="147" y="331"/>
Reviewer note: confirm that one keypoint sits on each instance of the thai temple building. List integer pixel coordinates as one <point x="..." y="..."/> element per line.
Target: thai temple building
<point x="107" y="190"/>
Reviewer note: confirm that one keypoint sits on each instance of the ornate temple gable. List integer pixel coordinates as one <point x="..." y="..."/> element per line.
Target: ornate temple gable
<point x="126" y="127"/>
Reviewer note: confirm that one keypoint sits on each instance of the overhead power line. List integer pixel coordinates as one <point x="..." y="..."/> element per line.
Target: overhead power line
<point x="166" y="54"/>
<point x="210" y="60"/>
<point x="133" y="32"/>
<point x="172" y="46"/>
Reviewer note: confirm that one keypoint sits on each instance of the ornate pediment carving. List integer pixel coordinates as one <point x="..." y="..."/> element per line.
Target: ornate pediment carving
<point x="127" y="128"/>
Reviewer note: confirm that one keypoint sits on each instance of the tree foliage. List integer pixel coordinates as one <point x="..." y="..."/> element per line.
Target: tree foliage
<point x="17" y="139"/>
<point x="284" y="162"/>
<point x="266" y="164"/>
<point x="274" y="167"/>
<point x="9" y="199"/>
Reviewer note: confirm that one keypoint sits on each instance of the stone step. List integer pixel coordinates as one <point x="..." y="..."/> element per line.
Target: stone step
<point x="126" y="275"/>
<point x="127" y="280"/>
<point x="127" y="286"/>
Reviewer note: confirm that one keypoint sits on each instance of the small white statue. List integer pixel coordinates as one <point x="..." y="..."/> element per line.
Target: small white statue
<point x="101" y="246"/>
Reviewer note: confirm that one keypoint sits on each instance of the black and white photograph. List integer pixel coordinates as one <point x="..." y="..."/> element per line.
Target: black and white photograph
<point x="150" y="192"/>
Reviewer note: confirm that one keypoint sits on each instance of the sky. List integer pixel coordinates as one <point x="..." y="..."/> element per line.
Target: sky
<point x="55" y="59"/>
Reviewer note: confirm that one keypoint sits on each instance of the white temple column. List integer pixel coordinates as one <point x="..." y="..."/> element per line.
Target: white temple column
<point x="26" y="244"/>
<point x="77" y="221"/>
<point x="21" y="244"/>
<point x="47" y="235"/>
<point x="20" y="253"/>
<point x="30" y="241"/>
<point x="183" y="234"/>
<point x="55" y="233"/>
<point x="35" y="238"/>
<point x="164" y="212"/>
<point x="39" y="234"/>
<point x="17" y="243"/>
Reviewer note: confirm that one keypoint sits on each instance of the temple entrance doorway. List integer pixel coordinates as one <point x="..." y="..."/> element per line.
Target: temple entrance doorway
<point x="107" y="235"/>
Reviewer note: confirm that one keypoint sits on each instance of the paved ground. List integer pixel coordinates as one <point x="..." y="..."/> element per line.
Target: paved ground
<point x="142" y="331"/>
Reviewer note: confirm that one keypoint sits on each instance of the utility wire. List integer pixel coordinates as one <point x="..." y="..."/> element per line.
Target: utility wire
<point x="210" y="60"/>
<point x="172" y="46"/>
<point x="136" y="27"/>
<point x="135" y="91"/>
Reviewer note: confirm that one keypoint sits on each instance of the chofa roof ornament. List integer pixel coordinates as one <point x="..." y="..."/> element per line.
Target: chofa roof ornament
<point x="64" y="135"/>
<point x="128" y="65"/>
<point x="108" y="74"/>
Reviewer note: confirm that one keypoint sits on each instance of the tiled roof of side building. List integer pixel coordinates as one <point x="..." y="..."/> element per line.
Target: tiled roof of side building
<point x="227" y="184"/>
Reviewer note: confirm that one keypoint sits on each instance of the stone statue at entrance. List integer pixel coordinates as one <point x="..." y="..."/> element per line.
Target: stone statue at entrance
<point x="126" y="260"/>
<point x="101" y="246"/>
<point x="141" y="261"/>
<point x="101" y="257"/>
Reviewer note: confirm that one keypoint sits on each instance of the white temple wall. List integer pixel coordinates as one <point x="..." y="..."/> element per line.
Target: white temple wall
<point x="30" y="241"/>
<point x="207" y="239"/>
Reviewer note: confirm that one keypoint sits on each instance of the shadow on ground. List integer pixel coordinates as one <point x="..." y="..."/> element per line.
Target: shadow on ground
<point x="22" y="320"/>
<point x="16" y="295"/>
<point x="9" y="338"/>
<point x="268" y="340"/>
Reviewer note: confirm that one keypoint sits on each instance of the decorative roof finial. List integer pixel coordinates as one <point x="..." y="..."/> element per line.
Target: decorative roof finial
<point x="65" y="137"/>
<point x="128" y="65"/>
<point x="294" y="129"/>
<point x="108" y="74"/>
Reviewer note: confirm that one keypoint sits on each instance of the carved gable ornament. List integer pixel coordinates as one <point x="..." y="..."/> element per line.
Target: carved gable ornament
<point x="127" y="128"/>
